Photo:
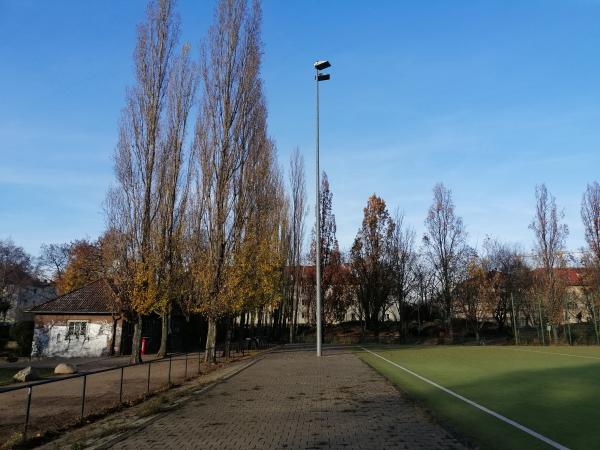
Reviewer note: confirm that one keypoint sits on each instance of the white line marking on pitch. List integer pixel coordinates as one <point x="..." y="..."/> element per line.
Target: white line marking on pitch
<point x="529" y="431"/>
<point x="551" y="353"/>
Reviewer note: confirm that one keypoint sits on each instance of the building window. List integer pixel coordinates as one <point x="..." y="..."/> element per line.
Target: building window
<point x="77" y="329"/>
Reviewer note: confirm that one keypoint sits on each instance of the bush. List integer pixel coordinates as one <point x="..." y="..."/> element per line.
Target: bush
<point x="22" y="332"/>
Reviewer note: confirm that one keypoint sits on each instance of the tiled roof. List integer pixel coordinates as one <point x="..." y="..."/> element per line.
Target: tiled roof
<point x="571" y="276"/>
<point x="94" y="298"/>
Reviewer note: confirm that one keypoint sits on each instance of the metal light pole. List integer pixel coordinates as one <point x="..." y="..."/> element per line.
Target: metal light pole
<point x="319" y="65"/>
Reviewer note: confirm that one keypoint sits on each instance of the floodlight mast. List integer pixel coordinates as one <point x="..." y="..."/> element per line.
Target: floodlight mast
<point x="319" y="65"/>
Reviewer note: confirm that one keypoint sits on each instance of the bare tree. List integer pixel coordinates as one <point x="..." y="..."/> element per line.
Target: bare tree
<point x="424" y="292"/>
<point x="297" y="211"/>
<point x="514" y="282"/>
<point x="16" y="270"/>
<point x="445" y="247"/>
<point x="550" y="237"/>
<point x="54" y="258"/>
<point x="590" y="215"/>
<point x="403" y="260"/>
<point x="173" y="185"/>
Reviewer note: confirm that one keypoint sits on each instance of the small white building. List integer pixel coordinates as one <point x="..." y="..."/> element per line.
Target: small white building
<point x="82" y="323"/>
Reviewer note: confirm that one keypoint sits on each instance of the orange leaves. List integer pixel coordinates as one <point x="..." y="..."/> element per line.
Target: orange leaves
<point x="84" y="266"/>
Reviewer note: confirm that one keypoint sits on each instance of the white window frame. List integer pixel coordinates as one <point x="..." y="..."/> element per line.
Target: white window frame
<point x="75" y="328"/>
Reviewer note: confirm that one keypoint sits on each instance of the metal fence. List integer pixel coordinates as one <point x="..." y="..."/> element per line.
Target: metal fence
<point x="573" y="319"/>
<point x="545" y="333"/>
<point x="50" y="405"/>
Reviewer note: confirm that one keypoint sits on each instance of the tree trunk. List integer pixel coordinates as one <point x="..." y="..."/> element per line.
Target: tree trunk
<point x="291" y="325"/>
<point x="211" y="335"/>
<point x="294" y="318"/>
<point x="113" y="338"/>
<point x="164" y="334"/>
<point x="555" y="333"/>
<point x="242" y="329"/>
<point x="136" y="345"/>
<point x="227" y="348"/>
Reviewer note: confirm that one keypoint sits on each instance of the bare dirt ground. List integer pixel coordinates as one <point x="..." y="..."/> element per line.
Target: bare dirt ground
<point x="55" y="406"/>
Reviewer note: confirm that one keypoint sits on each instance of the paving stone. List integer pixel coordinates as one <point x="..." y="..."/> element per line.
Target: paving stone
<point x="293" y="400"/>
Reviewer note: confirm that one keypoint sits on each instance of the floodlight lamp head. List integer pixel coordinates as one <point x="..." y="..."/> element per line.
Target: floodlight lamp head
<point x="323" y="77"/>
<point x="320" y="65"/>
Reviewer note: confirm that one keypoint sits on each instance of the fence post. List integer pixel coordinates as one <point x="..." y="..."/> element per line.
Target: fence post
<point x="567" y="320"/>
<point x="148" y="387"/>
<point x="512" y="302"/>
<point x="595" y="324"/>
<point x="83" y="396"/>
<point x="185" y="374"/>
<point x="121" y="386"/>
<point x="170" y="356"/>
<point x="541" y="323"/>
<point x="199" y="361"/>
<point x="27" y="413"/>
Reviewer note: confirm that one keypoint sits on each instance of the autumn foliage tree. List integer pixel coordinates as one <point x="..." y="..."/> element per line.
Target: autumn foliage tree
<point x="145" y="136"/>
<point x="550" y="239"/>
<point x="477" y="297"/>
<point x="371" y="261"/>
<point x="332" y="270"/>
<point x="84" y="265"/>
<point x="231" y="143"/>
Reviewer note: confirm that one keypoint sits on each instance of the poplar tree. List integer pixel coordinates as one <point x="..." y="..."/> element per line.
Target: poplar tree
<point x="134" y="203"/>
<point x="230" y="133"/>
<point x="550" y="241"/>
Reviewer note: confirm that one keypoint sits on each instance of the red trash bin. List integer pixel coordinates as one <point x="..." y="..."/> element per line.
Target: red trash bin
<point x="144" y="344"/>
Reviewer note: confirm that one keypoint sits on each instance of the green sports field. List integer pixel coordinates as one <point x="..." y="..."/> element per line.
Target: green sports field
<point x="554" y="391"/>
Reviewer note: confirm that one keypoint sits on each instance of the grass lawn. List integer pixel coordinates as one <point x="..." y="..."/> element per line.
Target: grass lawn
<point x="6" y="375"/>
<point x="554" y="391"/>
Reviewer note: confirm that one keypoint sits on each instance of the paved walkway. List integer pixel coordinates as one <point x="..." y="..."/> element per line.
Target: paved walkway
<point x="292" y="400"/>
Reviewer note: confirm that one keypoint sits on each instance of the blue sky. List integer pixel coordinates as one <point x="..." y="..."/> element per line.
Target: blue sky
<point x="488" y="97"/>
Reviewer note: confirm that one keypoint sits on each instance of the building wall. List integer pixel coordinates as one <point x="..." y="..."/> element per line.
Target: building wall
<point x="25" y="298"/>
<point x="51" y="337"/>
<point x="306" y="314"/>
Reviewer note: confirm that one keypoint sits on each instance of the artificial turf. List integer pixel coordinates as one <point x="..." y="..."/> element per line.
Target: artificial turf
<point x="555" y="391"/>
